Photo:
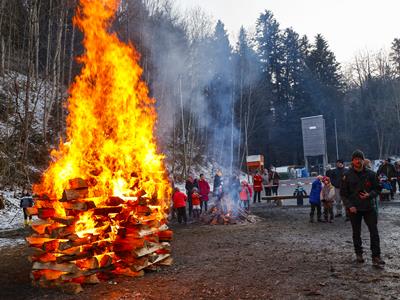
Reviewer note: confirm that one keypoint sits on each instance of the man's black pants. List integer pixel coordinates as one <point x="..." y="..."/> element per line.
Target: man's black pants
<point x="181" y="215"/>
<point x="371" y="219"/>
<point x="313" y="207"/>
<point x="257" y="195"/>
<point x="203" y="204"/>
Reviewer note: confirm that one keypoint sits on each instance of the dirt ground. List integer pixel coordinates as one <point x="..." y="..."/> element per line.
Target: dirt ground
<point x="282" y="256"/>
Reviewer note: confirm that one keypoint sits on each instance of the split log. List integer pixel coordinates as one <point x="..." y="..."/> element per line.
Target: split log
<point x="166" y="262"/>
<point x="65" y="267"/>
<point x="114" y="201"/>
<point x="51" y="246"/>
<point x="69" y="220"/>
<point x="47" y="275"/>
<point x="77" y="242"/>
<point x="79" y="205"/>
<point x="60" y="232"/>
<point x="69" y="195"/>
<point x="105" y="260"/>
<point x="33" y="240"/>
<point x="69" y="258"/>
<point x="87" y="264"/>
<point x="85" y="273"/>
<point x="128" y="243"/>
<point x="46" y="213"/>
<point x="77" y="184"/>
<point x="40" y="228"/>
<point x="147" y="249"/>
<point x="127" y="258"/>
<point x="105" y="210"/>
<point x="44" y="257"/>
<point x="165" y="235"/>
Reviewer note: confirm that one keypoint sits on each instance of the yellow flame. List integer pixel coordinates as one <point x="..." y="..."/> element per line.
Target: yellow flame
<point x="111" y="119"/>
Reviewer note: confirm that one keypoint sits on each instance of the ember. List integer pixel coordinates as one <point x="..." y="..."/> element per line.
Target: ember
<point x="102" y="204"/>
<point x="217" y="216"/>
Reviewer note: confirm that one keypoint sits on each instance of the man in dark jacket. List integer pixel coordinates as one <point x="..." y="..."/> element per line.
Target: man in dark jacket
<point x="360" y="187"/>
<point x="190" y="184"/>
<point x="336" y="175"/>
<point x="218" y="186"/>
<point x="387" y="169"/>
<point x="26" y="201"/>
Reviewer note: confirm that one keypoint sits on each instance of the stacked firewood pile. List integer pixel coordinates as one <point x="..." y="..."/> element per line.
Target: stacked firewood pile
<point x="218" y="215"/>
<point x="79" y="240"/>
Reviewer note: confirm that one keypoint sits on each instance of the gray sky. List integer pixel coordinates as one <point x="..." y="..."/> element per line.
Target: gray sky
<point x="350" y="26"/>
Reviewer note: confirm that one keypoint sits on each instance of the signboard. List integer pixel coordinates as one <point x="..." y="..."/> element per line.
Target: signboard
<point x="314" y="137"/>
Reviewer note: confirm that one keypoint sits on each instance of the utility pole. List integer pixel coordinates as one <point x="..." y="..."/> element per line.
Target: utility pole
<point x="337" y="146"/>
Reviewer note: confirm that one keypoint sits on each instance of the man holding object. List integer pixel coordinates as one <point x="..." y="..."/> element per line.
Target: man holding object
<point x="360" y="187"/>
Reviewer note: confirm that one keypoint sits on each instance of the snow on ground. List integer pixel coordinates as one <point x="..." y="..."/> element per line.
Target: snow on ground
<point x="12" y="216"/>
<point x="11" y="242"/>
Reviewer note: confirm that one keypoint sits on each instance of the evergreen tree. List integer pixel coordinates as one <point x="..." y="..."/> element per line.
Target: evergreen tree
<point x="395" y="55"/>
<point x="323" y="64"/>
<point x="270" y="50"/>
<point x="326" y="87"/>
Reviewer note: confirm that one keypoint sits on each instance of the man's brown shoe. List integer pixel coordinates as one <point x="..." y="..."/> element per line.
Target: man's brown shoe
<point x="360" y="259"/>
<point x="378" y="262"/>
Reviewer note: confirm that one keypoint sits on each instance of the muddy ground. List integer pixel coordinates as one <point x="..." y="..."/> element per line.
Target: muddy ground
<point x="282" y="256"/>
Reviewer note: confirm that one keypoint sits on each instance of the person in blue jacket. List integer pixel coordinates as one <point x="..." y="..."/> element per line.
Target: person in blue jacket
<point x="315" y="199"/>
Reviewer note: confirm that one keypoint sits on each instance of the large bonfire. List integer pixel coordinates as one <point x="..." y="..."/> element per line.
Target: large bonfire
<point x="103" y="201"/>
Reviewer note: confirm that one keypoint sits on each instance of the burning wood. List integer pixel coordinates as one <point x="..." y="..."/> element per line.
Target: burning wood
<point x="217" y="215"/>
<point x="104" y="199"/>
<point x="70" y="250"/>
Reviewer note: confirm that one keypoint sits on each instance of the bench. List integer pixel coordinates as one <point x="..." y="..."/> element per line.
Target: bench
<point x="282" y="197"/>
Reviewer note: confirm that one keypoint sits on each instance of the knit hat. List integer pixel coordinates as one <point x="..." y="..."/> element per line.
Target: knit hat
<point x="357" y="154"/>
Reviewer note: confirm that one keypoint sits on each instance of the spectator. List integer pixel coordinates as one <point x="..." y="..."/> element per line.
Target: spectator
<point x="257" y="186"/>
<point x="196" y="203"/>
<point x="204" y="190"/>
<point x="328" y="198"/>
<point x="335" y="176"/>
<point x="360" y="187"/>
<point x="315" y="199"/>
<point x="179" y="200"/>
<point x="2" y="202"/>
<point x="274" y="178"/>
<point x="387" y="169"/>
<point x="190" y="184"/>
<point x="218" y="186"/>
<point x="266" y="183"/>
<point x="300" y="193"/>
<point x="26" y="201"/>
<point x="245" y="195"/>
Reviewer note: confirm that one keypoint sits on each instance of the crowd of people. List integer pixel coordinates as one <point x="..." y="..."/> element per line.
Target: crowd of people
<point x="239" y="192"/>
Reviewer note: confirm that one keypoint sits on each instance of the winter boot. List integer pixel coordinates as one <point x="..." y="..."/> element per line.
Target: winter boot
<point x="378" y="262"/>
<point x="311" y="219"/>
<point x="360" y="258"/>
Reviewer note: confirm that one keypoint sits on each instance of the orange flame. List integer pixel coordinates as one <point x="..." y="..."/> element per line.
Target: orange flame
<point x="111" y="119"/>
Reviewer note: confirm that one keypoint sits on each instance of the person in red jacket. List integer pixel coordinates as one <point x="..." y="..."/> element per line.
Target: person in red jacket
<point x="204" y="191"/>
<point x="179" y="200"/>
<point x="257" y="186"/>
<point x="196" y="203"/>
